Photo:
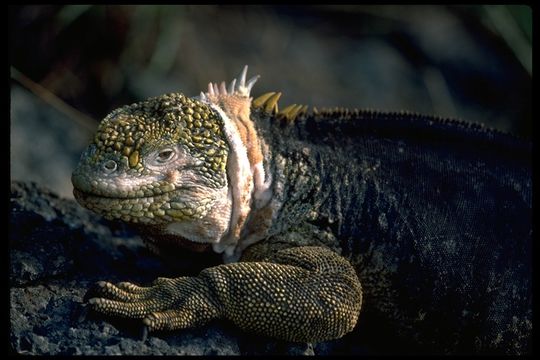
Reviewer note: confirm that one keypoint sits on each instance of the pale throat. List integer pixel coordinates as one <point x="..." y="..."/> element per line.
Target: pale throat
<point x="209" y="227"/>
<point x="243" y="211"/>
<point x="250" y="183"/>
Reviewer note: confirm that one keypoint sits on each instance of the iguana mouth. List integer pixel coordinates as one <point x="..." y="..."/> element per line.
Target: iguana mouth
<point x="130" y="209"/>
<point x="85" y="195"/>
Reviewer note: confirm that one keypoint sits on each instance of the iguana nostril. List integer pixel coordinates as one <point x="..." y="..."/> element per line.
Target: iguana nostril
<point x="109" y="166"/>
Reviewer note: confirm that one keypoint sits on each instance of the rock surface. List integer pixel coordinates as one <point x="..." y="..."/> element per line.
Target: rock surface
<point x="58" y="250"/>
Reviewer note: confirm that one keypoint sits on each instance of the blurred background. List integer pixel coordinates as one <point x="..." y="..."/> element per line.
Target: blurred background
<point x="72" y="64"/>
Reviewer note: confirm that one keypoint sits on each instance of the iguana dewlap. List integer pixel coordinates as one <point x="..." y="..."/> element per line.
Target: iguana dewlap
<point x="305" y="206"/>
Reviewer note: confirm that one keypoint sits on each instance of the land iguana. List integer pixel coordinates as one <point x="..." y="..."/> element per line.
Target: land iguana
<point x="424" y="223"/>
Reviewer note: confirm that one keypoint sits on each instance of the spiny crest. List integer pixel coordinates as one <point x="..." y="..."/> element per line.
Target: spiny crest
<point x="339" y="112"/>
<point x="223" y="95"/>
<point x="291" y="112"/>
<point x="217" y="92"/>
<point x="269" y="103"/>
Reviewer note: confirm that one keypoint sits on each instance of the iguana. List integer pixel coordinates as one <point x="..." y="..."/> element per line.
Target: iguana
<point x="424" y="223"/>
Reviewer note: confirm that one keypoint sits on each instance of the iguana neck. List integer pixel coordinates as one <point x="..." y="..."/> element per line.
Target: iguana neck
<point x="249" y="184"/>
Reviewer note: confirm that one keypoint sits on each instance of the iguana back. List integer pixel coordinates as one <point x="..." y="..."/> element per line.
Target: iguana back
<point x="435" y="215"/>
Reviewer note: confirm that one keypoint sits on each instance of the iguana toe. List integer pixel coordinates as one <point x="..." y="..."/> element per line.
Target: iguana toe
<point x="121" y="292"/>
<point x="166" y="305"/>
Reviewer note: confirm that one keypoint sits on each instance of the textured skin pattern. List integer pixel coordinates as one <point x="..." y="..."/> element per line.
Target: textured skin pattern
<point x="128" y="139"/>
<point x="435" y="216"/>
<point x="432" y="217"/>
<point x="273" y="295"/>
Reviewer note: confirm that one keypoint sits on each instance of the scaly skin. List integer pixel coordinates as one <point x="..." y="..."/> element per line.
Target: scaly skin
<point x="163" y="161"/>
<point x="297" y="294"/>
<point x="326" y="198"/>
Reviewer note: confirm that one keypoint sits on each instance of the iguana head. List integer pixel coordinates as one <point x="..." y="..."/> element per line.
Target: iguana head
<point x="180" y="165"/>
<point x="154" y="161"/>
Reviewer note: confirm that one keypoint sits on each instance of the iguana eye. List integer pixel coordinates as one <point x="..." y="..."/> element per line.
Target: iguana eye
<point x="165" y="155"/>
<point x="109" y="166"/>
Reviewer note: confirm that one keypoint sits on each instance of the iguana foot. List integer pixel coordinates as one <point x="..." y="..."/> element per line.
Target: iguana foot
<point x="167" y="304"/>
<point x="302" y="294"/>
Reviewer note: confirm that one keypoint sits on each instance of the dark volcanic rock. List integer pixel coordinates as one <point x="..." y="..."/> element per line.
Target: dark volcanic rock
<point x="57" y="251"/>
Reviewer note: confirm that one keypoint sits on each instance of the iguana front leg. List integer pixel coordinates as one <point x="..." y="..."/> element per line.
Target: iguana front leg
<point x="304" y="294"/>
